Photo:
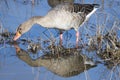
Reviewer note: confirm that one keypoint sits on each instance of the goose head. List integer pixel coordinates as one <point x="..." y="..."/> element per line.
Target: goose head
<point x="27" y="25"/>
<point x="23" y="28"/>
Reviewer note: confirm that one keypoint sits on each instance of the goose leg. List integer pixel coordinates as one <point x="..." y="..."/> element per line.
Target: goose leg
<point x="77" y="38"/>
<point x="61" y="38"/>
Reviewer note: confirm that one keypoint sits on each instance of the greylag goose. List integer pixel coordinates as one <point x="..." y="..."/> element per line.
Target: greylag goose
<point x="64" y="16"/>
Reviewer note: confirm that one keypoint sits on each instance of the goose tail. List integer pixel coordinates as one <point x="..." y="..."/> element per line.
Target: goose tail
<point x="96" y="5"/>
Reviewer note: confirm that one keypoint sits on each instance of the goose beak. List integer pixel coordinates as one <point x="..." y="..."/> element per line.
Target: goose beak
<point x="17" y="35"/>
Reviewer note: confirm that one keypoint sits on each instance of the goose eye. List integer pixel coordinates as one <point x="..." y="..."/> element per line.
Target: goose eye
<point x="19" y="30"/>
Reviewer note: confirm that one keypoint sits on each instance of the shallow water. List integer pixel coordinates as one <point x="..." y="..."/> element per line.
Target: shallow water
<point x="37" y="55"/>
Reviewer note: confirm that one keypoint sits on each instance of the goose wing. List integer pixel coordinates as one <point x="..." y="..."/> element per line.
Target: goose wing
<point x="77" y="8"/>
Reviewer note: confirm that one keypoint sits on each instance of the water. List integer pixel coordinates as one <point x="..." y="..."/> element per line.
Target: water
<point x="37" y="55"/>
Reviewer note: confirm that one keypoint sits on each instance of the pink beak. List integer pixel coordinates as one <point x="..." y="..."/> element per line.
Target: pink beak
<point x="16" y="36"/>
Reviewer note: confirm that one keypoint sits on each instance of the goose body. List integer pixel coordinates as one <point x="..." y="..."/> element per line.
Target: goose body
<point x="64" y="17"/>
<point x="67" y="15"/>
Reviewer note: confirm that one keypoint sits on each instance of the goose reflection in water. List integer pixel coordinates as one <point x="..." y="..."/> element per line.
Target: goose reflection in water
<point x="67" y="65"/>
